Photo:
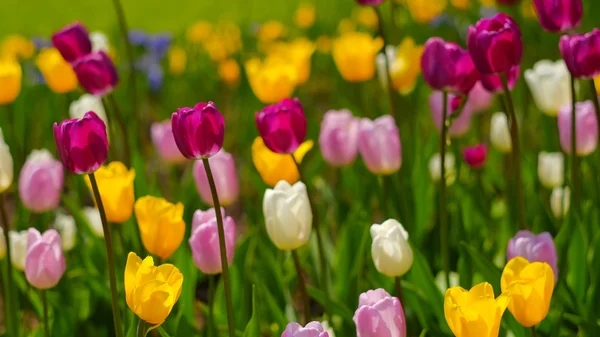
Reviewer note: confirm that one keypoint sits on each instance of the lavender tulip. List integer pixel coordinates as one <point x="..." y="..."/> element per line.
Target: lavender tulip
<point x="45" y="263"/>
<point x="164" y="142"/>
<point x="338" y="139"/>
<point x="379" y="145"/>
<point x="225" y="176"/>
<point x="535" y="248"/>
<point x="379" y="315"/>
<point x="585" y="124"/>
<point x="204" y="241"/>
<point x="41" y="181"/>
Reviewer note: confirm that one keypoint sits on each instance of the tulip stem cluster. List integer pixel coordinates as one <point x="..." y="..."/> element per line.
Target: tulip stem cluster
<point x="387" y="63"/>
<point x="302" y="287"/>
<point x="45" y="304"/>
<point x="442" y="206"/>
<point x="9" y="310"/>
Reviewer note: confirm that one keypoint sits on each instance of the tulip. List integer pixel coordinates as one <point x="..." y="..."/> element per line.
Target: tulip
<point x="460" y="125"/>
<point x="58" y="73"/>
<point x="559" y="201"/>
<point x="551" y="166"/>
<point x="585" y="124"/>
<point x="338" y="139"/>
<point x="229" y="72"/>
<point x="271" y="30"/>
<point x="379" y="145"/>
<point x="41" y="181"/>
<point x="288" y="215"/>
<point x="18" y="248"/>
<point x="480" y="100"/>
<point x="151" y="292"/>
<point x="354" y="55"/>
<point x="65" y="225"/>
<point x="96" y="73"/>
<point x="178" y="59"/>
<point x="405" y="65"/>
<point x="559" y="16"/>
<point x="2" y="244"/>
<point x="426" y="11"/>
<point x="164" y="142"/>
<point x="534" y="248"/>
<point x="17" y="47"/>
<point x="6" y="165"/>
<point x="435" y="168"/>
<point x="225" y="177"/>
<point x="446" y="66"/>
<point x="99" y="42"/>
<point x="549" y="83"/>
<point x="298" y="53"/>
<point x="10" y="80"/>
<point x="391" y="252"/>
<point x="312" y="329"/>
<point x="474" y="313"/>
<point x="94" y="220"/>
<point x="161" y="225"/>
<point x="115" y="183"/>
<point x="493" y="83"/>
<point x="198" y="131"/>
<point x="204" y="241"/>
<point x="581" y="53"/>
<point x="274" y="167"/>
<point x="45" y="262"/>
<point x="495" y="44"/>
<point x="304" y="17"/>
<point x="530" y="287"/>
<point x="475" y="156"/>
<point x="72" y="42"/>
<point x="271" y="80"/>
<point x="282" y="126"/>
<point x="370" y="2"/>
<point x="85" y="103"/>
<point x="499" y="133"/>
<point x="461" y="4"/>
<point x="379" y="315"/>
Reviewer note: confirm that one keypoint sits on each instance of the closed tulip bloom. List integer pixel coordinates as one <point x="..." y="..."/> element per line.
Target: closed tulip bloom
<point x="6" y="165"/>
<point x="45" y="262"/>
<point x="586" y="127"/>
<point x="391" y="251"/>
<point x="225" y="177"/>
<point x="379" y="145"/>
<point x="338" y="139"/>
<point x="282" y="126"/>
<point x="534" y="248"/>
<point x="274" y="167"/>
<point x="551" y="166"/>
<point x="475" y="156"/>
<point x="57" y="72"/>
<point x="2" y="244"/>
<point x="298" y="53"/>
<point x="288" y="215"/>
<point x="499" y="133"/>
<point x="480" y="100"/>
<point x="92" y="215"/>
<point x="550" y="85"/>
<point x="151" y="291"/>
<point x="560" y="199"/>
<point x="204" y="240"/>
<point x="435" y="168"/>
<point x="18" y="248"/>
<point x="495" y="44"/>
<point x="271" y="80"/>
<point x="72" y="42"/>
<point x="475" y="312"/>
<point x="493" y="83"/>
<point x="96" y="73"/>
<point x="354" y="55"/>
<point x="161" y="225"/>
<point x="379" y="315"/>
<point x="10" y="80"/>
<point x="85" y="103"/>
<point x="41" y="181"/>
<point x="198" y="131"/>
<point x="65" y="225"/>
<point x="559" y="16"/>
<point x="405" y="65"/>
<point x="99" y="42"/>
<point x="581" y="53"/>
<point x="164" y="142"/>
<point x="312" y="329"/>
<point x="460" y="125"/>
<point x="446" y="66"/>
<point x="426" y="11"/>
<point x="115" y="183"/>
<point x="530" y="287"/>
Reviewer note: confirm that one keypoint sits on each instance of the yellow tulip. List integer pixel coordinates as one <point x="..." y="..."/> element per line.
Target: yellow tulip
<point x="323" y="44"/>
<point x="461" y="4"/>
<point x="115" y="183"/>
<point x="273" y="79"/>
<point x="298" y="53"/>
<point x="305" y="15"/>
<point x="529" y="287"/>
<point x="58" y="73"/>
<point x="528" y="10"/>
<point x="17" y="47"/>
<point x="274" y="167"/>
<point x="365" y="16"/>
<point x="10" y="80"/>
<point x="177" y="60"/>
<point x="474" y="313"/>
<point x="346" y="26"/>
<point x="271" y="30"/>
<point x="199" y="31"/>
<point x="425" y="11"/>
<point x="151" y="292"/>
<point x="229" y="72"/>
<point x="406" y="67"/>
<point x="354" y="55"/>
<point x="161" y="225"/>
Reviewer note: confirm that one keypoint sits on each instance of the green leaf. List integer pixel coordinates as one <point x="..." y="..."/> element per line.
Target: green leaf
<point x="490" y="272"/>
<point x="162" y="332"/>
<point x="336" y="307"/>
<point x="253" y="326"/>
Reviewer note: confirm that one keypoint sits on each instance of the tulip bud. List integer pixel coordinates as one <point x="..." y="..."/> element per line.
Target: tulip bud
<point x="460" y="125"/>
<point x="586" y="127"/>
<point x="85" y="103"/>
<point x="161" y="225"/>
<point x="391" y="252"/>
<point x="435" y="168"/>
<point x="94" y="220"/>
<point x="354" y="55"/>
<point x="338" y="138"/>
<point x="475" y="156"/>
<point x="581" y="53"/>
<point x="558" y="16"/>
<point x="41" y="181"/>
<point x="225" y="177"/>
<point x="10" y="81"/>
<point x="480" y="100"/>
<point x="6" y="165"/>
<point x="288" y="215"/>
<point x="45" y="262"/>
<point x="551" y="169"/>
<point x="65" y="225"/>
<point x="274" y="167"/>
<point x="82" y="143"/>
<point x="559" y="201"/>
<point x="204" y="240"/>
<point x="164" y="142"/>
<point x="72" y="42"/>
<point x="198" y="131"/>
<point x="550" y="85"/>
<point x="115" y="184"/>
<point x="379" y="315"/>
<point x="2" y="244"/>
<point x="446" y="66"/>
<point x="312" y="329"/>
<point x="99" y="42"/>
<point x="499" y="133"/>
<point x="282" y="126"/>
<point x="493" y="82"/>
<point x="96" y="73"/>
<point x="18" y="248"/>
<point x="379" y="145"/>
<point x="534" y="248"/>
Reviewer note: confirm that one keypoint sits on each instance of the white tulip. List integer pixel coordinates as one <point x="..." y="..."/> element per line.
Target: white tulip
<point x="6" y="165"/>
<point x="440" y="280"/>
<point x="550" y="85"/>
<point x="99" y="41"/>
<point x="18" y="248"/>
<point x="551" y="169"/>
<point x="391" y="251"/>
<point x="2" y="244"/>
<point x="382" y="74"/>
<point x="288" y="215"/>
<point x="93" y="218"/>
<point x="87" y="103"/>
<point x="559" y="201"/>
<point x="65" y="225"/>
<point x="499" y="132"/>
<point x="435" y="168"/>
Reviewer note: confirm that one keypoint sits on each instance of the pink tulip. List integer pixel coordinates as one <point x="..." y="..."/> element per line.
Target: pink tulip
<point x="45" y="263"/>
<point x="225" y="176"/>
<point x="312" y="329"/>
<point x="282" y="126"/>
<point x="480" y="100"/>
<point x="338" y="139"/>
<point x="379" y="145"/>
<point x="96" y="73"/>
<point x="205" y="240"/>
<point x="164" y="142"/>
<point x="199" y="131"/>
<point x="586" y="127"/>
<point x="72" y="42"/>
<point x="41" y="181"/>
<point x="475" y="155"/>
<point x="379" y="315"/>
<point x="460" y="125"/>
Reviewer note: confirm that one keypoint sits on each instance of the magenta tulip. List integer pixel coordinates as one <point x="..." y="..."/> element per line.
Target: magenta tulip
<point x="559" y="16"/>
<point x="204" y="240"/>
<point x="312" y="329"/>
<point x="41" y="182"/>
<point x="338" y="138"/>
<point x="164" y="142"/>
<point x="225" y="176"/>
<point x="581" y="53"/>
<point x="493" y="84"/>
<point x="72" y="42"/>
<point x="535" y="248"/>
<point x="82" y="143"/>
<point x="45" y="262"/>
<point x="199" y="131"/>
<point x="480" y="100"/>
<point x="379" y="315"/>
<point x="282" y="126"/>
<point x="460" y="125"/>
<point x="447" y="66"/>
<point x="475" y="156"/>
<point x="379" y="145"/>
<point x="96" y="73"/>
<point x="586" y="127"/>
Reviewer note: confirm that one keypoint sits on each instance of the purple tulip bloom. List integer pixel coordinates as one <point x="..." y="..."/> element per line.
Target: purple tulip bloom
<point x="225" y="176"/>
<point x="282" y="126"/>
<point x="72" y="42"/>
<point x="559" y="16"/>
<point x="338" y="138"/>
<point x="199" y="131"/>
<point x="534" y="248"/>
<point x="379" y="145"/>
<point x="96" y="73"/>
<point x="581" y="53"/>
<point x="586" y="127"/>
<point x="41" y="182"/>
<point x="447" y="66"/>
<point x="475" y="156"/>
<point x="45" y="262"/>
<point x="379" y="315"/>
<point x="204" y="240"/>
<point x="312" y="329"/>
<point x="493" y="83"/>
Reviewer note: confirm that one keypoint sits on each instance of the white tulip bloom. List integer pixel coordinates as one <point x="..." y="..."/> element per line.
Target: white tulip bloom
<point x="435" y="168"/>
<point x="85" y="103"/>
<point x="6" y="165"/>
<point x="65" y="225"/>
<point x="499" y="133"/>
<point x="382" y="71"/>
<point x="99" y="41"/>
<point x="550" y="85"/>
<point x="18" y="248"/>
<point x="391" y="251"/>
<point x="559" y="201"/>
<point x="551" y="169"/>
<point x="94" y="220"/>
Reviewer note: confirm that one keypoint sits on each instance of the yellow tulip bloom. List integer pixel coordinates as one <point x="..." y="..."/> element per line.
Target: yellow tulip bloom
<point x="115" y="183"/>
<point x="425" y="11"/>
<point x="271" y="30"/>
<point x="274" y="167"/>
<point x="365" y="16"/>
<point x="229" y="72"/>
<point x="10" y="80"/>
<point x="17" y="47"/>
<point x="528" y="10"/>
<point x="177" y="60"/>
<point x="354" y="55"/>
<point x="474" y="313"/>
<point x="461" y="4"/>
<point x="323" y="44"/>
<point x="273" y="79"/>
<point x="58" y="73"/>
<point x="529" y="287"/>
<point x="298" y="53"/>
<point x="405" y="69"/>
<point x="161" y="225"/>
<point x="199" y="31"/>
<point x="346" y="26"/>
<point x="305" y="15"/>
<point x="151" y="292"/>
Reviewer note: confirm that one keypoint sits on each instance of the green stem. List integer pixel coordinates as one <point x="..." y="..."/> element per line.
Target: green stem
<point x="398" y="286"/>
<point x="141" y="329"/>
<point x="110" y="257"/>
<point x="302" y="287"/>
<point x="387" y="63"/>
<point x="574" y="162"/>
<point x="533" y="331"/>
<point x="10" y="309"/>
<point x="224" y="265"/>
<point x="45" y="304"/>
<point x="442" y="206"/>
<point x="122" y="127"/>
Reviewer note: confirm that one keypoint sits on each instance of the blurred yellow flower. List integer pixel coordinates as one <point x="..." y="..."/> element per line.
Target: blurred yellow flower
<point x="354" y="55"/>
<point x="461" y="4"/>
<point x="425" y="11"/>
<point x="323" y="44"/>
<point x="597" y="82"/>
<point x="487" y="2"/>
<point x="151" y="292"/>
<point x="177" y="60"/>
<point x="406" y="67"/>
<point x="229" y="72"/>
<point x="529" y="287"/>
<point x="298" y="53"/>
<point x="366" y="16"/>
<point x="57" y="72"/>
<point x="161" y="225"/>
<point x="271" y="30"/>
<point x="10" y="80"/>
<point x="305" y="15"/>
<point x="528" y="10"/>
<point x="474" y="313"/>
<point x="115" y="183"/>
<point x="346" y="26"/>
<point x="274" y="167"/>
<point x="271" y="80"/>
<point x="17" y="47"/>
<point x="199" y="31"/>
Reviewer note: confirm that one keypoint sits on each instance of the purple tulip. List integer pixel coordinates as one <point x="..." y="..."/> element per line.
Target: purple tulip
<point x="225" y="176"/>
<point x="164" y="142"/>
<point x="379" y="145"/>
<point x="475" y="156"/>
<point x="495" y="44"/>
<point x="72" y="42"/>
<point x="41" y="182"/>
<point x="338" y="138"/>
<point x="559" y="16"/>
<point x="312" y="329"/>
<point x="282" y="126"/>
<point x="198" y="131"/>
<point x="460" y="125"/>
<point x="581" y="53"/>
<point x="585" y="124"/>
<point x="534" y="248"/>
<point x="82" y="143"/>
<point x="96" y="73"/>
<point x="45" y="262"/>
<point x="447" y="66"/>
<point x="480" y="100"/>
<point x="493" y="84"/>
<point x="204" y="240"/>
<point x="379" y="315"/>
